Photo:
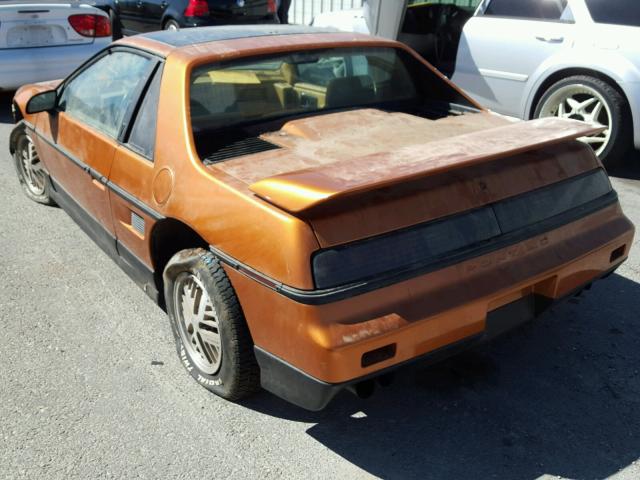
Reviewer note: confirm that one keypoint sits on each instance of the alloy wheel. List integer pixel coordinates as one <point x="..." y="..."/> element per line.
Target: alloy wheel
<point x="581" y="102"/>
<point x="198" y="323"/>
<point x="31" y="168"/>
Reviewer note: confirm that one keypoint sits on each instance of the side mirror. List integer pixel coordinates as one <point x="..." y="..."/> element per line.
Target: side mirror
<point x="42" y="102"/>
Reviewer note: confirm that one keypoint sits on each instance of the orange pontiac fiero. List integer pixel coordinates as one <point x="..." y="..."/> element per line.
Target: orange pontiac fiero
<point x="314" y="208"/>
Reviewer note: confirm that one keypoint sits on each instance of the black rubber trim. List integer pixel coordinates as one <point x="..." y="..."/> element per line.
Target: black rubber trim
<point x="324" y="296"/>
<point x="105" y="181"/>
<point x="133" y="266"/>
<point x="195" y="36"/>
<point x="295" y="386"/>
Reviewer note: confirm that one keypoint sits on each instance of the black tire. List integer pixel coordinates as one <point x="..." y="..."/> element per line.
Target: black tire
<point x="42" y="195"/>
<point x="238" y="375"/>
<point x="621" y="122"/>
<point x="116" y="28"/>
<point x="171" y="24"/>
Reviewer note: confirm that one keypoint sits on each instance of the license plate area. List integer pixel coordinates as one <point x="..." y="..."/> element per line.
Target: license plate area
<point x="26" y="36"/>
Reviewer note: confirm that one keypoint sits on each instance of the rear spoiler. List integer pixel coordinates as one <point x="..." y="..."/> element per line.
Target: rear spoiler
<point x="302" y="190"/>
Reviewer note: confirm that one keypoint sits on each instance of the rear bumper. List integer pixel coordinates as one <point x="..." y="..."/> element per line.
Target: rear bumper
<point x="322" y="348"/>
<point x="20" y="66"/>
<point x="303" y="390"/>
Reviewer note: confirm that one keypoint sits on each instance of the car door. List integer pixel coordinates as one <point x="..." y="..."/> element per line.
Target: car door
<point x="133" y="178"/>
<point x="80" y="139"/>
<point x="132" y="16"/>
<point x="504" y="44"/>
<point x="153" y="12"/>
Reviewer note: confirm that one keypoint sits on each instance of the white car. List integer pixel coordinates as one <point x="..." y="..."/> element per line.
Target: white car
<point x="47" y="40"/>
<point x="577" y="59"/>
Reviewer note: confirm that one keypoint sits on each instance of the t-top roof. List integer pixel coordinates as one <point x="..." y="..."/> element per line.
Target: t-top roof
<point x="192" y="36"/>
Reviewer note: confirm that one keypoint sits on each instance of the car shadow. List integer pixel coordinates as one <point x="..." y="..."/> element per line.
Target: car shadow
<point x="630" y="168"/>
<point x="559" y="396"/>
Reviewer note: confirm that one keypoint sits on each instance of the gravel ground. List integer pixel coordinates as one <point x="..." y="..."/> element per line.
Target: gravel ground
<point x="91" y="387"/>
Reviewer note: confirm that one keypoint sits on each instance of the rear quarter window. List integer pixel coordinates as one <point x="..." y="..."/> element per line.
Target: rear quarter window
<point x="530" y="9"/>
<point x="142" y="138"/>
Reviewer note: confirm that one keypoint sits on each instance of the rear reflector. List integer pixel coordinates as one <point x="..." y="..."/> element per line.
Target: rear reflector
<point x="91" y="25"/>
<point x="197" y="8"/>
<point x="378" y="355"/>
<point x="426" y="245"/>
<point x="271" y="6"/>
<point x="617" y="253"/>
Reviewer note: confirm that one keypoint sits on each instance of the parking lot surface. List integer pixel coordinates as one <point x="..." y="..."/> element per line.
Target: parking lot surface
<point x="91" y="387"/>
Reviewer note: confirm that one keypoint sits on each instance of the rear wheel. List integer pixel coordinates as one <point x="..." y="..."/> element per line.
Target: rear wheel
<point x="171" y="25"/>
<point x="32" y="177"/>
<point x="212" y="337"/>
<point x="594" y="101"/>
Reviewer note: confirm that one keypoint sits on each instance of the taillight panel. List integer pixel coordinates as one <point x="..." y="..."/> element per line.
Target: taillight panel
<point x="431" y="243"/>
<point x="88" y="25"/>
<point x="197" y="8"/>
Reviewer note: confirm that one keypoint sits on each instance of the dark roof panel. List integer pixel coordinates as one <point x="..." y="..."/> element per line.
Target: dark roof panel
<point x="192" y="36"/>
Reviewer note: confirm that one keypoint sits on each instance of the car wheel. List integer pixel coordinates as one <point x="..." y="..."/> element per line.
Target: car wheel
<point x="116" y="30"/>
<point x="596" y="102"/>
<point x="31" y="175"/>
<point x="171" y="25"/>
<point x="212" y="337"/>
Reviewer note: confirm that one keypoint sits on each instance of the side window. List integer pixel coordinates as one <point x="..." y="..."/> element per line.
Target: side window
<point x="101" y="94"/>
<point x="530" y="9"/>
<point x="142" y="138"/>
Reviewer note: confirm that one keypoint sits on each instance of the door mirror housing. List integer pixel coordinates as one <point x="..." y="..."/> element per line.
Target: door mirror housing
<point x="42" y="102"/>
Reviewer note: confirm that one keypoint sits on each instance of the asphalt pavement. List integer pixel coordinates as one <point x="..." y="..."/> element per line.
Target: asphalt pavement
<point x="91" y="386"/>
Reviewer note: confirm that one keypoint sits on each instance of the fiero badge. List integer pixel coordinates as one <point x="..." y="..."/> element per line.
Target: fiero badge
<point x="507" y="254"/>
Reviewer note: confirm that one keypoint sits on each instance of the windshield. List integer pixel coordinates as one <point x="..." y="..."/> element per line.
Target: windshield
<point x="615" y="12"/>
<point x="260" y="89"/>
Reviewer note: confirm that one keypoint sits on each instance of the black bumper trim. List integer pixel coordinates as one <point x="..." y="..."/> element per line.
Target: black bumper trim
<point x="295" y="386"/>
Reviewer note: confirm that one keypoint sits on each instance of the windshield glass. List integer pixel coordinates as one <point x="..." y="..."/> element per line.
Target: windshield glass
<point x="259" y="89"/>
<point x="615" y="12"/>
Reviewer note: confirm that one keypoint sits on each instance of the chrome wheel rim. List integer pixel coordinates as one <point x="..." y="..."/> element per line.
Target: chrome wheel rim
<point x="34" y="176"/>
<point x="172" y="27"/>
<point x="198" y="323"/>
<point x="580" y="102"/>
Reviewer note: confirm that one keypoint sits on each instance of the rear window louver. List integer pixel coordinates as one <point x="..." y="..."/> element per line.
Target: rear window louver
<point x="246" y="146"/>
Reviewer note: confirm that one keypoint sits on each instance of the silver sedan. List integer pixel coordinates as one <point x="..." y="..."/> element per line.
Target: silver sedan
<point x="47" y="40"/>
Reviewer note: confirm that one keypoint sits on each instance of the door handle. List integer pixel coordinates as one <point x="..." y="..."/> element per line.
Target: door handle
<point x="139" y="4"/>
<point x="164" y="4"/>
<point x="549" y="39"/>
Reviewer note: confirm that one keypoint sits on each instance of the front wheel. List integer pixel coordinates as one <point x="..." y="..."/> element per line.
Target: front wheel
<point x="212" y="338"/>
<point x="31" y="175"/>
<point x="596" y="102"/>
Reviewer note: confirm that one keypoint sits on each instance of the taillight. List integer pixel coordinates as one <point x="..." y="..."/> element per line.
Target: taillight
<point x="91" y="25"/>
<point x="271" y="6"/>
<point x="197" y="8"/>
